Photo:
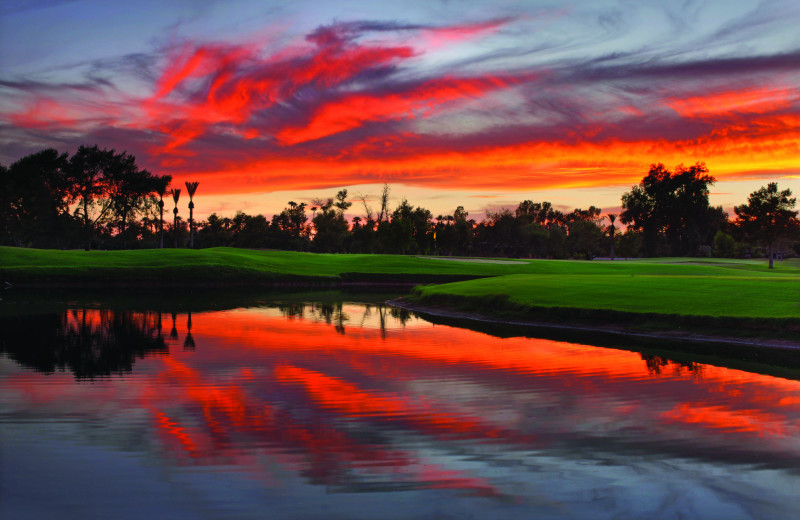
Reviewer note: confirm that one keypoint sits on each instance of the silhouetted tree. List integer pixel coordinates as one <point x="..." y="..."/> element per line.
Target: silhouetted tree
<point x="89" y="178"/>
<point x="672" y="205"/>
<point x="289" y="229"/>
<point x="35" y="200"/>
<point x="176" y="195"/>
<point x="191" y="187"/>
<point x="408" y="229"/>
<point x="161" y="189"/>
<point x="583" y="238"/>
<point x="108" y="188"/>
<point x="539" y="212"/>
<point x="768" y="216"/>
<point x="330" y="228"/>
<point x="612" y="231"/>
<point x="130" y="190"/>
<point x="383" y="214"/>
<point x="213" y="232"/>
<point x="341" y="202"/>
<point x="251" y="230"/>
<point x="501" y="233"/>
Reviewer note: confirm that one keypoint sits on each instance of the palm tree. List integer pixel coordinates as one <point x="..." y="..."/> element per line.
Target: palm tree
<point x="612" y="217"/>
<point x="162" y="190"/>
<point x="176" y="194"/>
<point x="191" y="187"/>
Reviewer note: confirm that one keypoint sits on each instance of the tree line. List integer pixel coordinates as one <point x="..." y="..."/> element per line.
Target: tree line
<point x="100" y="198"/>
<point x="94" y="198"/>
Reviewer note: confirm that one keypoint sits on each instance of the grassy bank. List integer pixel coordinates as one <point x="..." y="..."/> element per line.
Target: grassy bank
<point x="742" y="294"/>
<point x="220" y="266"/>
<point x="709" y="296"/>
<point x="216" y="267"/>
<point x="720" y="303"/>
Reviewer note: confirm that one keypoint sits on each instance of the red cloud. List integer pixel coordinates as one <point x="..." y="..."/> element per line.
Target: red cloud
<point x="767" y="145"/>
<point x="440" y="36"/>
<point x="748" y="101"/>
<point x="45" y="113"/>
<point x="353" y="110"/>
<point x="247" y="121"/>
<point x="235" y="84"/>
<point x="49" y="114"/>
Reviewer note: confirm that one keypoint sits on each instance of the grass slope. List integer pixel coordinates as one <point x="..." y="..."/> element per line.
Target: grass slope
<point x="723" y="299"/>
<point x="743" y="289"/>
<point x="691" y="295"/>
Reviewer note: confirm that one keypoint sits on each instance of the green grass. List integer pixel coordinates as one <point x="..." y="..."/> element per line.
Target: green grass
<point x="27" y="263"/>
<point x="744" y="289"/>
<point x="690" y="295"/>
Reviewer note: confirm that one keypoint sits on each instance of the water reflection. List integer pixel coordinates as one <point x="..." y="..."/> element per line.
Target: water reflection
<point x="88" y="342"/>
<point x="357" y="398"/>
<point x="333" y="313"/>
<point x="657" y="364"/>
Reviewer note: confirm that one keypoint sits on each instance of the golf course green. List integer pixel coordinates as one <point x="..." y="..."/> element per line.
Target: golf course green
<point x="736" y="292"/>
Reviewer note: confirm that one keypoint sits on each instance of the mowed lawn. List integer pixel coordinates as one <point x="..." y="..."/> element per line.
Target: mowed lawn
<point x="45" y="262"/>
<point x="717" y="296"/>
<point x="689" y="286"/>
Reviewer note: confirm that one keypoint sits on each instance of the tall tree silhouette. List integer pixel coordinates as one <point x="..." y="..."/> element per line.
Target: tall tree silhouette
<point x="768" y="216"/>
<point x="87" y="174"/>
<point x="191" y="187"/>
<point x="161" y="189"/>
<point x="176" y="195"/>
<point x="34" y="199"/>
<point x="672" y="206"/>
<point x="612" y="217"/>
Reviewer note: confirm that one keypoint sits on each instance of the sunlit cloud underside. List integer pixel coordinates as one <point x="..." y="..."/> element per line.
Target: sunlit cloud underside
<point x="503" y="101"/>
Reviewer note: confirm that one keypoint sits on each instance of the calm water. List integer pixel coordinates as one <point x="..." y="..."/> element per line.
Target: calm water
<point x="309" y="410"/>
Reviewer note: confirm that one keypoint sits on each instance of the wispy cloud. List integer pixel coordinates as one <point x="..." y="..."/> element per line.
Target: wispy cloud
<point x="370" y="101"/>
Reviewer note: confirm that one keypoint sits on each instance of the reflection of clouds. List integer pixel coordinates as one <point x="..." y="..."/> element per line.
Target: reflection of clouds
<point x="433" y="407"/>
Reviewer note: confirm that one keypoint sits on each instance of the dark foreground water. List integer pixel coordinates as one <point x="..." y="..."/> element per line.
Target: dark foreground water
<point x="309" y="410"/>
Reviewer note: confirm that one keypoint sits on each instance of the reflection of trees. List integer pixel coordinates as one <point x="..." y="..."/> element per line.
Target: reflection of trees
<point x="402" y="315"/>
<point x="188" y="342"/>
<point x="87" y="342"/>
<point x="657" y="365"/>
<point x="292" y="310"/>
<point x="173" y="333"/>
<point x="333" y="313"/>
<point x="330" y="313"/>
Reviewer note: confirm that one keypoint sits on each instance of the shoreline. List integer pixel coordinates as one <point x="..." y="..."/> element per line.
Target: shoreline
<point x="582" y="328"/>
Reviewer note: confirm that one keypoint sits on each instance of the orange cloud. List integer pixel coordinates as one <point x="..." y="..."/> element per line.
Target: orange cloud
<point x="752" y="101"/>
<point x="352" y="111"/>
<point x="341" y="110"/>
<point x="770" y="145"/>
<point x="50" y="114"/>
<point x="237" y="83"/>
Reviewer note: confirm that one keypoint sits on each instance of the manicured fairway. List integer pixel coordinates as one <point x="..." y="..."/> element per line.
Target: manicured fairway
<point x="741" y="296"/>
<point x="64" y="265"/>
<point x="674" y="286"/>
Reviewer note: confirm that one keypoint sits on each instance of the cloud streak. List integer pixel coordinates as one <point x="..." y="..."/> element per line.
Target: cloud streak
<point x="385" y="100"/>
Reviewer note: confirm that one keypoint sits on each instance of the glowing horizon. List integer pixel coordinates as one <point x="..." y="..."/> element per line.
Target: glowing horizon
<point x="514" y="101"/>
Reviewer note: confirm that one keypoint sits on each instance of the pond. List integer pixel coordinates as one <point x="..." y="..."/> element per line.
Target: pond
<point x="338" y="406"/>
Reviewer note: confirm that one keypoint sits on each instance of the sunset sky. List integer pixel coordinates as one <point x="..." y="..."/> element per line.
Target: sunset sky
<point x="450" y="102"/>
